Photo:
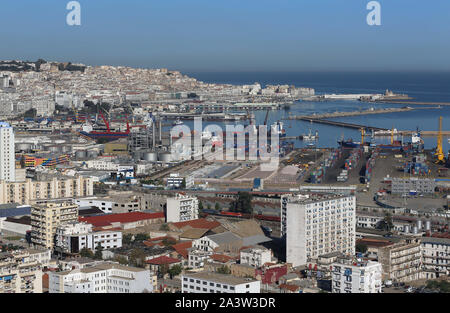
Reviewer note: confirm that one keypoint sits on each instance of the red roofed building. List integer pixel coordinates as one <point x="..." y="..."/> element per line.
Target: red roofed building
<point x="156" y="263"/>
<point x="123" y="220"/>
<point x="181" y="251"/>
<point x="270" y="274"/>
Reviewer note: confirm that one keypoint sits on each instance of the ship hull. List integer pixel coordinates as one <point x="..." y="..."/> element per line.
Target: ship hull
<point x="104" y="135"/>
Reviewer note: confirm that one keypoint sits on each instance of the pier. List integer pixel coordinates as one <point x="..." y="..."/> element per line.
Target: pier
<point x="351" y="113"/>
<point x="339" y="124"/>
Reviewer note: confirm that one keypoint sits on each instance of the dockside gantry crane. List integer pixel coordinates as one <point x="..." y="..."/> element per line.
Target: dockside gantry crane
<point x="439" y="150"/>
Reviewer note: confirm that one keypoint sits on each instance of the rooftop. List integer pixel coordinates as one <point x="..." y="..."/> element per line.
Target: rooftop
<point x="219" y="278"/>
<point x="108" y="219"/>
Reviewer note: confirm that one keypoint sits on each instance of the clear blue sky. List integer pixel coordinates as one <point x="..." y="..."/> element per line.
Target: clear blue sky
<point x="234" y="35"/>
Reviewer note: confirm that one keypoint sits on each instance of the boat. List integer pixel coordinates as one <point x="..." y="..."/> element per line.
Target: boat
<point x="108" y="134"/>
<point x="178" y="122"/>
<point x="349" y="143"/>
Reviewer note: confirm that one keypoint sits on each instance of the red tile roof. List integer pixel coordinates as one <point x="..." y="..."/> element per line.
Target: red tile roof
<point x="222" y="258"/>
<point x="182" y="247"/>
<point x="292" y="288"/>
<point x="199" y="223"/>
<point x="162" y="260"/>
<point x="108" y="219"/>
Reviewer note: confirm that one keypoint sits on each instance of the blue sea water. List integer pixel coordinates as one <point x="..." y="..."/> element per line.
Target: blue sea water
<point x="422" y="86"/>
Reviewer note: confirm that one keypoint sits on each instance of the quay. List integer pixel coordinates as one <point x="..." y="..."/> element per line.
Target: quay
<point x="352" y="113"/>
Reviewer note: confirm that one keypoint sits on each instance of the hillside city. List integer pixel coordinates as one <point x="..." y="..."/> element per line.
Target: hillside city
<point x="99" y="192"/>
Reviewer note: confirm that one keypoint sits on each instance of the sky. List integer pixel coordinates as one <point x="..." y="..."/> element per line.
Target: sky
<point x="231" y="35"/>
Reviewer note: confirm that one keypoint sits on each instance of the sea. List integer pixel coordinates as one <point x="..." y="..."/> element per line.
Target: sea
<point x="422" y="86"/>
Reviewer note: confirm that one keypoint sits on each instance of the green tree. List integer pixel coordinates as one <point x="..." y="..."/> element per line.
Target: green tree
<point x="183" y="184"/>
<point x="362" y="248"/>
<point x="200" y="206"/>
<point x="208" y="206"/>
<point x="243" y="203"/>
<point x="141" y="237"/>
<point x="121" y="259"/>
<point x="127" y="239"/>
<point x="86" y="253"/>
<point x="224" y="270"/>
<point x="217" y="207"/>
<point x="386" y="223"/>
<point x="164" y="227"/>
<point x="175" y="270"/>
<point x="98" y="252"/>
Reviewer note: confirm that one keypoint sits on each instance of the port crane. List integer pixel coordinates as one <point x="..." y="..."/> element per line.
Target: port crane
<point x="439" y="150"/>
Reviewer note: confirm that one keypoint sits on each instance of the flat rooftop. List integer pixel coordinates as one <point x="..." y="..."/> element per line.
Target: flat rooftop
<point x="219" y="278"/>
<point x="315" y="197"/>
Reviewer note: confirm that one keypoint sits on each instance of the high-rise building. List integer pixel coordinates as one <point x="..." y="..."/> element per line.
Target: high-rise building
<point x="318" y="224"/>
<point x="182" y="208"/>
<point x="46" y="218"/>
<point x="7" y="155"/>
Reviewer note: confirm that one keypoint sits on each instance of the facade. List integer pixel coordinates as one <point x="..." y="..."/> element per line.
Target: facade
<point x="181" y="208"/>
<point x="72" y="237"/>
<point x="21" y="270"/>
<point x="222" y="242"/>
<point x="356" y="276"/>
<point x="46" y="218"/>
<point x="101" y="278"/>
<point x="197" y="258"/>
<point x="7" y="153"/>
<point x="205" y="282"/>
<point x="317" y="225"/>
<point x="256" y="256"/>
<point x="413" y="184"/>
<point x="402" y="262"/>
<point x="114" y="204"/>
<point x="31" y="191"/>
<point x="435" y="256"/>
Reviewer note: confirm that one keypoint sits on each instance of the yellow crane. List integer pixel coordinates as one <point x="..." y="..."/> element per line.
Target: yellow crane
<point x="363" y="132"/>
<point x="392" y="135"/>
<point x="439" y="150"/>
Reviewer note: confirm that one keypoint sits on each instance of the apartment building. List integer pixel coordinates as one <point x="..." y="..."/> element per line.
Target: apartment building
<point x="7" y="153"/>
<point x="207" y="282"/>
<point x="181" y="208"/>
<point x="57" y="187"/>
<point x="197" y="258"/>
<point x="112" y="204"/>
<point x="75" y="236"/>
<point x="435" y="256"/>
<point x="402" y="261"/>
<point x="46" y="218"/>
<point x="318" y="224"/>
<point x="101" y="278"/>
<point x="256" y="256"/>
<point x="419" y="185"/>
<point x="350" y="275"/>
<point x="21" y="270"/>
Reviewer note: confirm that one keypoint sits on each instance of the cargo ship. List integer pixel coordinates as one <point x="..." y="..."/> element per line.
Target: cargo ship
<point x="106" y="134"/>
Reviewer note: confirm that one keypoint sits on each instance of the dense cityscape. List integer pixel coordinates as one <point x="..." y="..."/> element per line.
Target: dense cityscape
<point x="109" y="185"/>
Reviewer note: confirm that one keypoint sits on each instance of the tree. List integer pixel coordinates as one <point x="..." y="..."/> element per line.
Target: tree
<point x="164" y="227"/>
<point x="362" y="248"/>
<point x="141" y="237"/>
<point x="208" y="206"/>
<point x="98" y="252"/>
<point x="224" y="270"/>
<point x="86" y="253"/>
<point x="243" y="203"/>
<point x="163" y="269"/>
<point x="217" y="207"/>
<point x="121" y="259"/>
<point x="127" y="238"/>
<point x="183" y="184"/>
<point x="200" y="206"/>
<point x="386" y="223"/>
<point x="175" y="270"/>
<point x="137" y="257"/>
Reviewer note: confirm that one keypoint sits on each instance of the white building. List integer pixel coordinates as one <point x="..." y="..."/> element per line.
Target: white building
<point x="318" y="224"/>
<point x="256" y="256"/>
<point x="182" y="208"/>
<point x="435" y="256"/>
<point x="7" y="154"/>
<point x="72" y="237"/>
<point x="103" y="204"/>
<point x="197" y="258"/>
<point x="101" y="278"/>
<point x="208" y="282"/>
<point x="350" y="275"/>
